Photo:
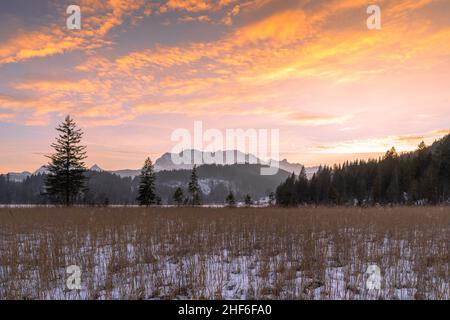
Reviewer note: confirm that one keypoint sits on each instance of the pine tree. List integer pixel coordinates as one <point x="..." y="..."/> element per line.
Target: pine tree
<point x="147" y="177"/>
<point x="178" y="197"/>
<point x="194" y="188"/>
<point x="248" y="200"/>
<point x="301" y="186"/>
<point x="66" y="178"/>
<point x="231" y="202"/>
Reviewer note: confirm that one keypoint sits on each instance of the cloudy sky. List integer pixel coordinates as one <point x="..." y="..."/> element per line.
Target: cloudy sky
<point x="139" y="69"/>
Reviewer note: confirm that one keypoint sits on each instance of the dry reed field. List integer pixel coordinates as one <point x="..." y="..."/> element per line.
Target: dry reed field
<point x="205" y="253"/>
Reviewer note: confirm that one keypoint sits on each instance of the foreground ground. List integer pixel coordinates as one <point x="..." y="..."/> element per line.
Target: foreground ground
<point x="205" y="253"/>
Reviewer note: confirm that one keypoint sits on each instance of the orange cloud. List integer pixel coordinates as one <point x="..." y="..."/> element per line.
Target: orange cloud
<point x="7" y="117"/>
<point x="99" y="17"/>
<point x="195" y="5"/>
<point x="250" y="65"/>
<point x="36" y="109"/>
<point x="84" y="85"/>
<point x="202" y="18"/>
<point x="279" y="28"/>
<point x="46" y="42"/>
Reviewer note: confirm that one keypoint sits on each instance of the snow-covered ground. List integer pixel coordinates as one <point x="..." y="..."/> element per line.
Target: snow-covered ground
<point x="223" y="254"/>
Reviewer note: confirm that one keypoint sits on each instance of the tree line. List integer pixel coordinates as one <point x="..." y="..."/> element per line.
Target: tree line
<point x="419" y="177"/>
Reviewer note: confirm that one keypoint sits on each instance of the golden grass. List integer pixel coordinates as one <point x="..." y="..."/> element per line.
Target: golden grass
<point x="204" y="253"/>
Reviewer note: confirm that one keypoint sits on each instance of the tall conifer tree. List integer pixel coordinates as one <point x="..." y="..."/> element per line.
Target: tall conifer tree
<point x="194" y="188"/>
<point x="147" y="177"/>
<point x="66" y="179"/>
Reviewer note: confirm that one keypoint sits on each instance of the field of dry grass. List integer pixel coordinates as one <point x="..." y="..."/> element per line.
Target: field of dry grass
<point x="205" y="253"/>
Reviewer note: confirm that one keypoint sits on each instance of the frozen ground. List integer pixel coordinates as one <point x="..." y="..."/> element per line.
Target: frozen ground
<point x="195" y="253"/>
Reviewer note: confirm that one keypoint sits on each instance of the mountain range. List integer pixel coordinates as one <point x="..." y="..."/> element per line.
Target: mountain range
<point x="165" y="163"/>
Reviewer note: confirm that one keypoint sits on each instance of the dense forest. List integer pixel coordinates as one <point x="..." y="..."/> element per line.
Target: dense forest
<point x="418" y="177"/>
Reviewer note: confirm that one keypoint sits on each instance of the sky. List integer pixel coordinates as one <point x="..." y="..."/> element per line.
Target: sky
<point x="140" y="69"/>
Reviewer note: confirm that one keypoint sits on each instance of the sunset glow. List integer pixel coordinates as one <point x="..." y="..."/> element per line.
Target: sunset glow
<point x="139" y="69"/>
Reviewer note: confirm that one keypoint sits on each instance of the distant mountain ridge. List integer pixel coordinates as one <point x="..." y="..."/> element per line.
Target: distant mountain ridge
<point x="221" y="158"/>
<point x="18" y="176"/>
<point x="165" y="163"/>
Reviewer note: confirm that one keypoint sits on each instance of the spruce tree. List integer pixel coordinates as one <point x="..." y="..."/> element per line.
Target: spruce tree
<point x="147" y="177"/>
<point x="231" y="202"/>
<point x="301" y="186"/>
<point x="248" y="200"/>
<point x="194" y="188"/>
<point x="178" y="196"/>
<point x="66" y="178"/>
